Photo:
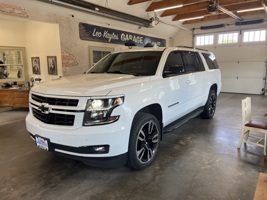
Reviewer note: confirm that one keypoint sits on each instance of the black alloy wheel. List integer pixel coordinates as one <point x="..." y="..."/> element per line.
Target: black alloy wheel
<point x="210" y="106"/>
<point x="144" y="141"/>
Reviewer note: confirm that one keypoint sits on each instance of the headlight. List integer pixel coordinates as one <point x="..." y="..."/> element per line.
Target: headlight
<point x="98" y="111"/>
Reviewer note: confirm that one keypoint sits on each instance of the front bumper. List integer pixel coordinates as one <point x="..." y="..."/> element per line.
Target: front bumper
<point x="78" y="142"/>
<point x="106" y="162"/>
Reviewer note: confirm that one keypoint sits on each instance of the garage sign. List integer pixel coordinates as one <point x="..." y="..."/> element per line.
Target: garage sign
<point x="102" y="34"/>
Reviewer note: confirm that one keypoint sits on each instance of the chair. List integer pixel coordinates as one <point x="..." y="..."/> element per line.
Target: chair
<point x="249" y="125"/>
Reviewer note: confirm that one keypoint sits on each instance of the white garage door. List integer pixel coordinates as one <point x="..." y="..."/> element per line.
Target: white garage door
<point x="241" y="58"/>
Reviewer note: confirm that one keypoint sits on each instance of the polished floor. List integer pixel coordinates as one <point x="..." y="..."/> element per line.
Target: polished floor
<point x="199" y="160"/>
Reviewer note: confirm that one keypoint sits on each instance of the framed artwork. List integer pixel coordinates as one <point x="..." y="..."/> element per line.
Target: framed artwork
<point x="52" y="65"/>
<point x="36" y="65"/>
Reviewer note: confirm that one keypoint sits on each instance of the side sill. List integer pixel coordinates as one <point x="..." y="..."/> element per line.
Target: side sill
<point x="182" y="120"/>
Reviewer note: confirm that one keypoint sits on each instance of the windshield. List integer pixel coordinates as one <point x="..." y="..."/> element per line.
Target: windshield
<point x="133" y="63"/>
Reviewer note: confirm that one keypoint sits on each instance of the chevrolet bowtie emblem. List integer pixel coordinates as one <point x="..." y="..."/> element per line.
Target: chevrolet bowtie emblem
<point x="44" y="108"/>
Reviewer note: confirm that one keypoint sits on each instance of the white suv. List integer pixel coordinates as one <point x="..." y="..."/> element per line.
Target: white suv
<point x="117" y="112"/>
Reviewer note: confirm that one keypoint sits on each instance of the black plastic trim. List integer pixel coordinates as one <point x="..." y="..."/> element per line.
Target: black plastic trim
<point x="55" y="101"/>
<point x="104" y="162"/>
<point x="182" y="120"/>
<point x="81" y="150"/>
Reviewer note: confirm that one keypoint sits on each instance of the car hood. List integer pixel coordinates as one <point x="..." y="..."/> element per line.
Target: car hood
<point x="88" y="84"/>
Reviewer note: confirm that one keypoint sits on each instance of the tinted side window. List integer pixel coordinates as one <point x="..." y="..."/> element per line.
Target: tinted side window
<point x="174" y="64"/>
<point x="192" y="62"/>
<point x="211" y="61"/>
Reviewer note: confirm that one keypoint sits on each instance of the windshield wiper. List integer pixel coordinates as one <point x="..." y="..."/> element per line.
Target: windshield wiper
<point x="95" y="72"/>
<point x="120" y="72"/>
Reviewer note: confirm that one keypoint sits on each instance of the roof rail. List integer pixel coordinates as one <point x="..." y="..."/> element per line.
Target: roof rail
<point x="201" y="49"/>
<point x="186" y="47"/>
<point x="192" y="48"/>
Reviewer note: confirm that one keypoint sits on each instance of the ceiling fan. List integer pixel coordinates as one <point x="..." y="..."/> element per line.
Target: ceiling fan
<point x="214" y="7"/>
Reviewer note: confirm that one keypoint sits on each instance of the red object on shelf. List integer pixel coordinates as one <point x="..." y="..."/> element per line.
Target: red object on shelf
<point x="265" y="114"/>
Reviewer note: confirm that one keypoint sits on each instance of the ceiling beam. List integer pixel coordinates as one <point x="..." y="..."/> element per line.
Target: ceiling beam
<point x="191" y="15"/>
<point x="221" y="16"/>
<point x="168" y="3"/>
<point x="231" y="8"/>
<point x="244" y="6"/>
<point x="132" y="2"/>
<point x="203" y="6"/>
<point x="186" y="9"/>
<point x="208" y="18"/>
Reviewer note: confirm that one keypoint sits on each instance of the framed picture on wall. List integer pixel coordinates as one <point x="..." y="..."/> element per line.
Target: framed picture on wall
<point x="36" y="65"/>
<point x="52" y="65"/>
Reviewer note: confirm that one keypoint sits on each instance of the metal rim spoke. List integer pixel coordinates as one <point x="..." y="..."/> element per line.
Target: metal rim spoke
<point x="147" y="141"/>
<point x="140" y="153"/>
<point x="142" y="136"/>
<point x="149" y="153"/>
<point x="212" y="106"/>
<point x="150" y="127"/>
<point x="155" y="138"/>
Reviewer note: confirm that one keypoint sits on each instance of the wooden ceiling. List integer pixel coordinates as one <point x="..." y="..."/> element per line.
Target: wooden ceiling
<point x="197" y="8"/>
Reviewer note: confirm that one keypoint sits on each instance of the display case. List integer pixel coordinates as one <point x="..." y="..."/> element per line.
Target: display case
<point x="12" y="64"/>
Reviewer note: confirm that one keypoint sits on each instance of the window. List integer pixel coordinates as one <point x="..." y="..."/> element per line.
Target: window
<point x="133" y="63"/>
<point x="192" y="62"/>
<point x="204" y="40"/>
<point x="254" y="36"/>
<point x="11" y="64"/>
<point x="228" y="38"/>
<point x="96" y="53"/>
<point x="174" y="64"/>
<point x="211" y="61"/>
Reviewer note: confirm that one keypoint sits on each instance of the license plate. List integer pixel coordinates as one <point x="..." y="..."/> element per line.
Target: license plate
<point x="41" y="142"/>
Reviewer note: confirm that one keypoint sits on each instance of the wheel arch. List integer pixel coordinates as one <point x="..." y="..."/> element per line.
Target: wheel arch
<point x="154" y="109"/>
<point x="214" y="87"/>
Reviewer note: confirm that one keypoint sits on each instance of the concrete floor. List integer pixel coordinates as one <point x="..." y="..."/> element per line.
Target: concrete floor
<point x="199" y="161"/>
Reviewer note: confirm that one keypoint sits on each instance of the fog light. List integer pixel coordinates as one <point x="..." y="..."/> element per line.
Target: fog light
<point x="99" y="149"/>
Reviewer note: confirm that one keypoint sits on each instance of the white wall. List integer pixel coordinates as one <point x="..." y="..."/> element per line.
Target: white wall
<point x="183" y="38"/>
<point x="42" y="41"/>
<point x="39" y="39"/>
<point x="12" y="33"/>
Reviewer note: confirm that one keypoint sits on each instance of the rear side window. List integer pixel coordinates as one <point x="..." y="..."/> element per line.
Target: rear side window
<point x="211" y="60"/>
<point x="192" y="62"/>
<point x="182" y="62"/>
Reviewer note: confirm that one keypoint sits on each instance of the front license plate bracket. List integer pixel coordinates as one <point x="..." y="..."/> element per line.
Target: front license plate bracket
<point x="42" y="142"/>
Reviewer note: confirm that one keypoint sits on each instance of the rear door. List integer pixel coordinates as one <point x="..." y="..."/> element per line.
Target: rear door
<point x="196" y="81"/>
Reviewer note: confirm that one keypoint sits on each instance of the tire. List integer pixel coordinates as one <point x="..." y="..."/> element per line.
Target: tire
<point x="210" y="106"/>
<point x="144" y="141"/>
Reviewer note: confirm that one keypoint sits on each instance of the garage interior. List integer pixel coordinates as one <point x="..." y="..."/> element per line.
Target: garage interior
<point x="198" y="160"/>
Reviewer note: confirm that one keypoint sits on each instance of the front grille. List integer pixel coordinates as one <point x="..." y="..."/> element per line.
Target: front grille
<point x="53" y="118"/>
<point x="55" y="101"/>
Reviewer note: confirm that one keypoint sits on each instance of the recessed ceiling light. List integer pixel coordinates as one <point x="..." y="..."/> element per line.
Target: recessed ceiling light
<point x="192" y="18"/>
<point x="249" y="10"/>
<point x="168" y="8"/>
